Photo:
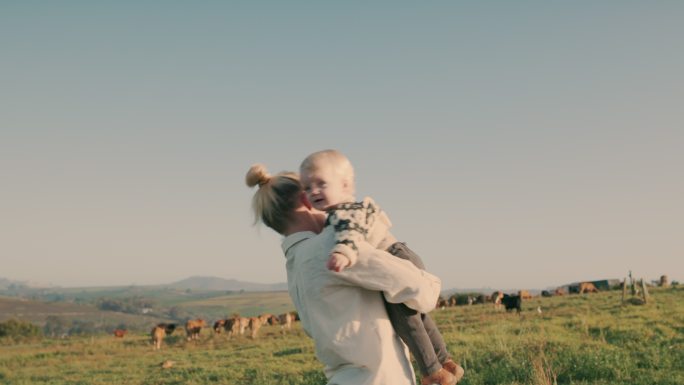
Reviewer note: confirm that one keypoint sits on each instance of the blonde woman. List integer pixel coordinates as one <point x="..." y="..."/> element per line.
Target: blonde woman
<point x="342" y="311"/>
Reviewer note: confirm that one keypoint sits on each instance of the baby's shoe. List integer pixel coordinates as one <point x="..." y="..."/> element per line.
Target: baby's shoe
<point x="454" y="369"/>
<point x="440" y="377"/>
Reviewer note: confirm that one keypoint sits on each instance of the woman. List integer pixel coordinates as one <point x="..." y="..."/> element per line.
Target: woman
<point x="342" y="311"/>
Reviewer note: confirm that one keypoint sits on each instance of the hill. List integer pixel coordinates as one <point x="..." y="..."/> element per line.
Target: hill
<point x="202" y="283"/>
<point x="162" y="305"/>
<point x="39" y="312"/>
<point x="221" y="284"/>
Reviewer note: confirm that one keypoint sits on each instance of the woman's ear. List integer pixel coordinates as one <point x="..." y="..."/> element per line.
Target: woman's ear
<point x="305" y="201"/>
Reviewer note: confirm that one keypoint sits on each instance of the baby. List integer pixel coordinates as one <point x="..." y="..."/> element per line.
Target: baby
<point x="328" y="180"/>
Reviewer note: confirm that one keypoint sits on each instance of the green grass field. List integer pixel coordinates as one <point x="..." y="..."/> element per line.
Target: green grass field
<point x="588" y="339"/>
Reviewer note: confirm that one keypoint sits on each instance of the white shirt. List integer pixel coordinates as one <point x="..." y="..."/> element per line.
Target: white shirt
<point x="344" y="313"/>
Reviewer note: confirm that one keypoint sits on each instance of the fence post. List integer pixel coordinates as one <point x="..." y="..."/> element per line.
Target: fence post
<point x="644" y="290"/>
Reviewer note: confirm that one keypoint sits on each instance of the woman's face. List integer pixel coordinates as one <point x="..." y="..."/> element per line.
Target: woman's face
<point x="324" y="187"/>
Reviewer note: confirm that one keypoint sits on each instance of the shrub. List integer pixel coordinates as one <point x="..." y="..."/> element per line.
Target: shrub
<point x="16" y="329"/>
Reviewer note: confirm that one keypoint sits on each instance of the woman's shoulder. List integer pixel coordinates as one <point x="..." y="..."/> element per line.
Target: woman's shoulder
<point x="307" y="240"/>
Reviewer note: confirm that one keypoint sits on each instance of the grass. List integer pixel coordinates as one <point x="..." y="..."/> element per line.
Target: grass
<point x="584" y="340"/>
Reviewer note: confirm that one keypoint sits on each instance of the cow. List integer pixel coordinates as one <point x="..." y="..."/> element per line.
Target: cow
<point x="219" y="326"/>
<point x="546" y="293"/>
<point x="271" y="320"/>
<point x="496" y="297"/>
<point x="285" y="321"/>
<point x="268" y="319"/>
<point x="230" y="325"/>
<point x="511" y="302"/>
<point x="243" y="323"/>
<point x="159" y="332"/>
<point x="587" y="287"/>
<point x="559" y="291"/>
<point x="295" y="315"/>
<point x="254" y="326"/>
<point x="524" y="294"/>
<point x="193" y="328"/>
<point x="119" y="333"/>
<point x="441" y="302"/>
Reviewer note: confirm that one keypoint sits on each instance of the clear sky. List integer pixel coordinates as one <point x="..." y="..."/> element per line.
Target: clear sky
<point x="515" y="144"/>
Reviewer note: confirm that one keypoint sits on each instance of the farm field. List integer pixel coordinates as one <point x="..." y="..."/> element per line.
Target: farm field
<point x="577" y="339"/>
<point x="207" y="305"/>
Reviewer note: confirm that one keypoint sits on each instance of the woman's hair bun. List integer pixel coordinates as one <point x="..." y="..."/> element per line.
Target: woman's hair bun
<point x="257" y="175"/>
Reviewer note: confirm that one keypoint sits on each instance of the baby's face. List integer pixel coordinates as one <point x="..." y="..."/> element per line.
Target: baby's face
<point x="325" y="188"/>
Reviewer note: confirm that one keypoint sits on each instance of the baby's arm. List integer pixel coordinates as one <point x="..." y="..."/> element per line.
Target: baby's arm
<point x="354" y="223"/>
<point x="349" y="223"/>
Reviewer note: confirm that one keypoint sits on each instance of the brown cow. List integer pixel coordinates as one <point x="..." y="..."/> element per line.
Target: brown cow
<point x="273" y="320"/>
<point x="295" y="315"/>
<point x="254" y="326"/>
<point x="193" y="328"/>
<point x="159" y="332"/>
<point x="285" y="321"/>
<point x="559" y="291"/>
<point x="524" y="294"/>
<point x="232" y="326"/>
<point x="268" y="319"/>
<point x="243" y="323"/>
<point x="587" y="287"/>
<point x="119" y="333"/>
<point x="496" y="297"/>
<point x="229" y="325"/>
<point x="219" y="326"/>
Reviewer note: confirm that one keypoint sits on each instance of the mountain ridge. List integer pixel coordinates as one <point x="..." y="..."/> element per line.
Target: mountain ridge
<point x="211" y="283"/>
<point x="202" y="283"/>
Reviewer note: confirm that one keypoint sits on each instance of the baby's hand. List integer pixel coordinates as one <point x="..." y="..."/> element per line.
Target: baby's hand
<point x="337" y="262"/>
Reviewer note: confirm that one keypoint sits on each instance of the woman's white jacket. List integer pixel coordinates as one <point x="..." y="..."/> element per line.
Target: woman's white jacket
<point x="344" y="313"/>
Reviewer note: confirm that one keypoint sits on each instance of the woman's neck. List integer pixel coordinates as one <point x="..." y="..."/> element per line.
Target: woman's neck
<point x="304" y="219"/>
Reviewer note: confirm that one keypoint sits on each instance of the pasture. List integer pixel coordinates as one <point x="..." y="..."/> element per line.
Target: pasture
<point x="577" y="339"/>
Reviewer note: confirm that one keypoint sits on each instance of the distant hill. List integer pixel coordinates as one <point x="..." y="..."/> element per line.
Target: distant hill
<point x="4" y="283"/>
<point x="222" y="284"/>
<point x="200" y="283"/>
<point x="9" y="283"/>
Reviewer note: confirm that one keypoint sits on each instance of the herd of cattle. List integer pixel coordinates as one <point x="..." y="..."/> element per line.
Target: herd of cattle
<point x="238" y="325"/>
<point x="231" y="326"/>
<point x="510" y="302"/>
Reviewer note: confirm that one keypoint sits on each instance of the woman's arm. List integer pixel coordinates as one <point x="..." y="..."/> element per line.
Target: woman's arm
<point x="398" y="279"/>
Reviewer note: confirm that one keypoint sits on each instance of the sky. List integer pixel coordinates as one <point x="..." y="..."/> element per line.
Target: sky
<point x="523" y="144"/>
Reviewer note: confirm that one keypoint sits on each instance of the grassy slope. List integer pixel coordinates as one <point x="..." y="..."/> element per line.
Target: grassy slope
<point x="37" y="312"/>
<point x="209" y="305"/>
<point x="575" y="340"/>
<point x="246" y="304"/>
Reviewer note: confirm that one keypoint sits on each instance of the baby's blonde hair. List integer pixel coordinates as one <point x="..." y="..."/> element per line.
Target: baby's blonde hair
<point x="277" y="197"/>
<point x="333" y="158"/>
